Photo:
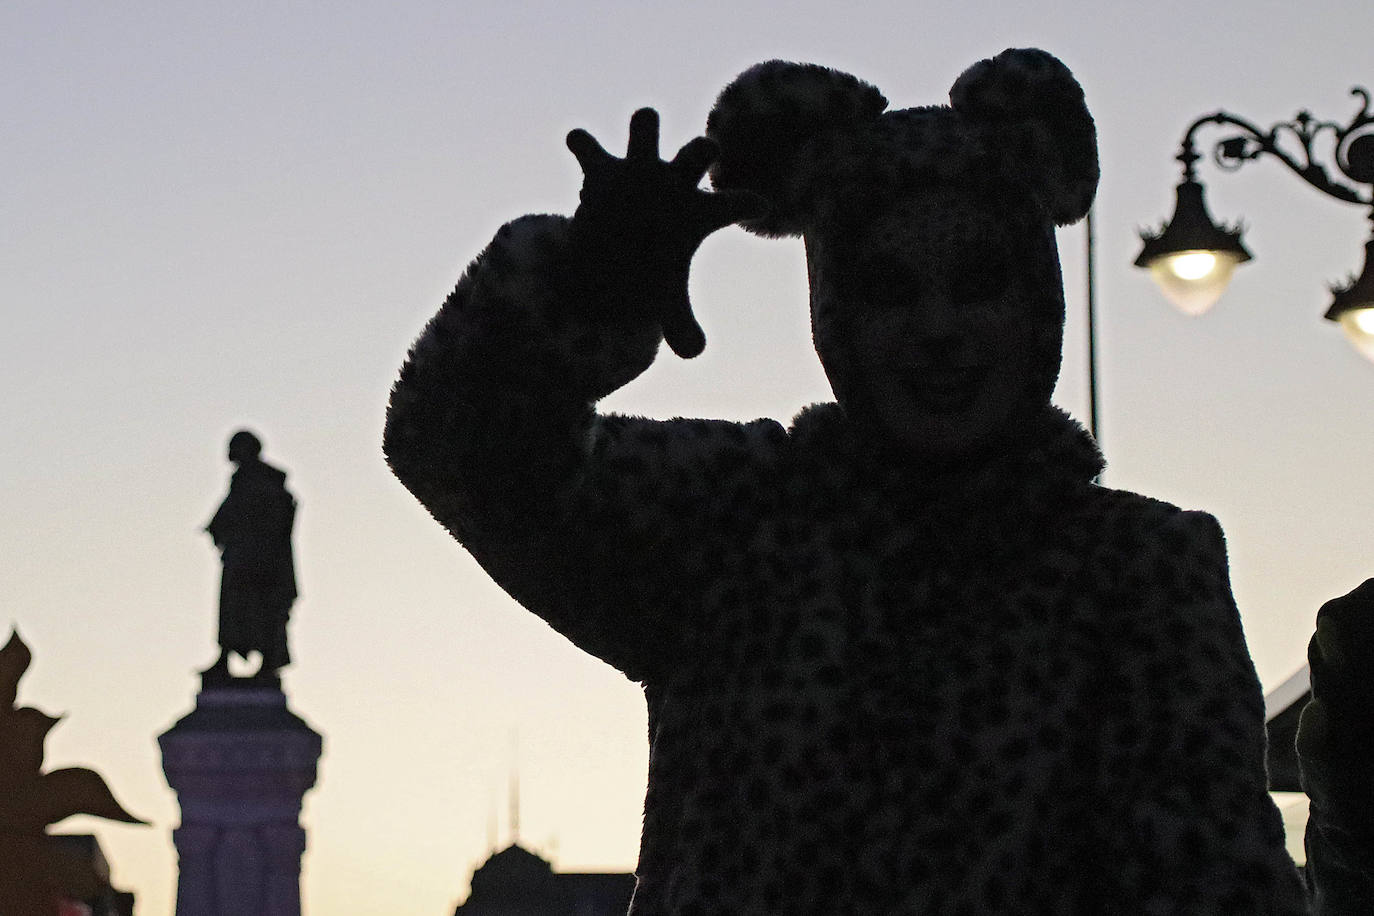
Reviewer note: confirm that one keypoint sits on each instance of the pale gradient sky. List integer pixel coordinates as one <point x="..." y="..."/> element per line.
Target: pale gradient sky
<point x="214" y="215"/>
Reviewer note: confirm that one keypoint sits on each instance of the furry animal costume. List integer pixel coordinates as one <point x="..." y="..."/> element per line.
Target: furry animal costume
<point x="1335" y="750"/>
<point x="890" y="666"/>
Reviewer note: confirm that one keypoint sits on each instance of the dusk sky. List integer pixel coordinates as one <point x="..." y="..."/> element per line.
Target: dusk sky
<point x="226" y="215"/>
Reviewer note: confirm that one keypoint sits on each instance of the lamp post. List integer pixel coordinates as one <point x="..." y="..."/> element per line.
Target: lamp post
<point x="1192" y="257"/>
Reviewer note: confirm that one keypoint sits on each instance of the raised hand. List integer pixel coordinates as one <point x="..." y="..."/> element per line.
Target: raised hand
<point x="641" y="219"/>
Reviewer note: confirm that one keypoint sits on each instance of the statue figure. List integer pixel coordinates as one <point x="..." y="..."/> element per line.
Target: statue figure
<point x="252" y="529"/>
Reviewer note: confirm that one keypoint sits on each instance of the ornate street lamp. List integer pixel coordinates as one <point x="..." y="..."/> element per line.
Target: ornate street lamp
<point x="1191" y="257"/>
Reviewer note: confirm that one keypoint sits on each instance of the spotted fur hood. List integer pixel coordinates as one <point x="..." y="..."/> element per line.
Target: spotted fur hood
<point x="823" y="148"/>
<point x="813" y="140"/>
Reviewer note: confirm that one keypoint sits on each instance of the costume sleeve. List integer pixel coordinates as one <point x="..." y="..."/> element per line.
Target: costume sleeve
<point x="602" y="525"/>
<point x="1188" y="810"/>
<point x="1336" y="755"/>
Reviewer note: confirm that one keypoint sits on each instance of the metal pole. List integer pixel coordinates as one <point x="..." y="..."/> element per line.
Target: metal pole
<point x="1092" y="333"/>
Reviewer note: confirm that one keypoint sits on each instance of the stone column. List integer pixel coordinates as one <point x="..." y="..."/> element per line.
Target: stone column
<point x="240" y="764"/>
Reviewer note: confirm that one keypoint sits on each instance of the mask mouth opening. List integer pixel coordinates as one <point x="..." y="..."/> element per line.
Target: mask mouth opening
<point x="946" y="390"/>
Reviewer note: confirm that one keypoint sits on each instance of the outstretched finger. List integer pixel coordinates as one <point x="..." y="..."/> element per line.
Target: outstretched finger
<point x="692" y="161"/>
<point x="590" y="154"/>
<point x="681" y="331"/>
<point x="643" y="135"/>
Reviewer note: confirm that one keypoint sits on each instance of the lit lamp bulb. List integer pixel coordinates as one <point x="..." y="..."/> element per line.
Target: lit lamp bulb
<point x="1194" y="280"/>
<point x="1358" y="325"/>
<point x="1192" y="258"/>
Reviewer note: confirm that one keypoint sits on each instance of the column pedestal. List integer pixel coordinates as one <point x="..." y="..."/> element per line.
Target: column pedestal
<point x="240" y="764"/>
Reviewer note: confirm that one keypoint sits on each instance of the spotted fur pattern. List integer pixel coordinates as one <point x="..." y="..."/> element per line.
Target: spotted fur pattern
<point x="821" y="147"/>
<point x="872" y="689"/>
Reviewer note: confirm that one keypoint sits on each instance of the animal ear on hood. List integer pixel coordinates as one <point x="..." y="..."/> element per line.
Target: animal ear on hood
<point x="771" y="123"/>
<point x="1031" y="114"/>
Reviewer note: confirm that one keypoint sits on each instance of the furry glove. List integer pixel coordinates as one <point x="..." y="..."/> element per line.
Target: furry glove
<point x="641" y="219"/>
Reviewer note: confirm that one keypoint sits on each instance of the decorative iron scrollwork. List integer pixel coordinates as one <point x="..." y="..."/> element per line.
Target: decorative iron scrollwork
<point x="1295" y="144"/>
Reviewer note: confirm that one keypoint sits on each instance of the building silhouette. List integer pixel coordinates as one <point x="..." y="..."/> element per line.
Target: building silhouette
<point x="107" y="900"/>
<point x="517" y="882"/>
<point x="1282" y="709"/>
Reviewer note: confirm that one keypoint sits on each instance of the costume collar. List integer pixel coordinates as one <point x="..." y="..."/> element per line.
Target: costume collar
<point x="1051" y="450"/>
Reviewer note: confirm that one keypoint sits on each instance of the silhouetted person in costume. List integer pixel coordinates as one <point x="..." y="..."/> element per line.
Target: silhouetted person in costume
<point x="252" y="529"/>
<point x="1336" y="752"/>
<point x="902" y="655"/>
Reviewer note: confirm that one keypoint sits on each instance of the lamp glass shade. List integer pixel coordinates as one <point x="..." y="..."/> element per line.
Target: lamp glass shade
<point x="1194" y="280"/>
<point x="1358" y="325"/>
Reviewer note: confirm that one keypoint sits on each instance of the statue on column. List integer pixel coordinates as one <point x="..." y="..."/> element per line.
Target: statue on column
<point x="252" y="529"/>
